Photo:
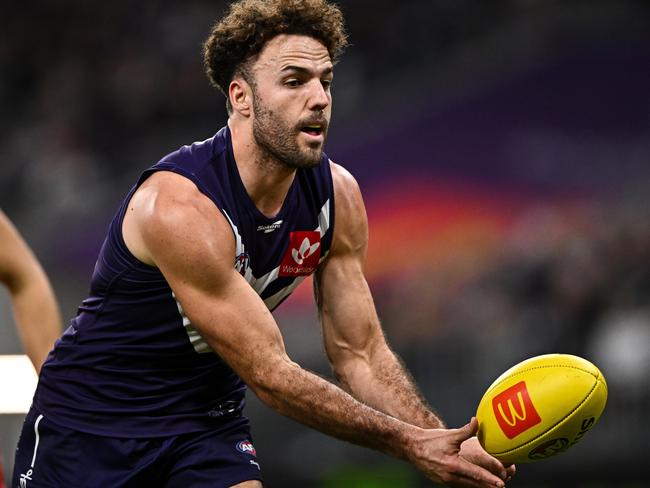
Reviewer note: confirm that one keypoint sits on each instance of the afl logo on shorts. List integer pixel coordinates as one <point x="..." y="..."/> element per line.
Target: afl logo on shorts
<point x="246" y="447"/>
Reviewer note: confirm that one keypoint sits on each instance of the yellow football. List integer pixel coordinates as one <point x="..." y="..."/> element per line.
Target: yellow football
<point x="540" y="407"/>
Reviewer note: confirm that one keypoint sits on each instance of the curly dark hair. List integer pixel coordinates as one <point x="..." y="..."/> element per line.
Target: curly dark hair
<point x="250" y="24"/>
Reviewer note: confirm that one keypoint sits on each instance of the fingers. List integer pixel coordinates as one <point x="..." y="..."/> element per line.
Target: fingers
<point x="458" y="460"/>
<point x="472" y="451"/>
<point x="484" y="467"/>
<point x="491" y="463"/>
<point x="467" y="431"/>
<point x="482" y="476"/>
<point x="467" y="474"/>
<point x="496" y="467"/>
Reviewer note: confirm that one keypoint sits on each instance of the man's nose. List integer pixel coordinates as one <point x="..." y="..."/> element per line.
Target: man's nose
<point x="318" y="96"/>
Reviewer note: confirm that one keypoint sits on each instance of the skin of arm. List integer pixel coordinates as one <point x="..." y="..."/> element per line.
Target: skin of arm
<point x="171" y="225"/>
<point x="362" y="361"/>
<point x="34" y="305"/>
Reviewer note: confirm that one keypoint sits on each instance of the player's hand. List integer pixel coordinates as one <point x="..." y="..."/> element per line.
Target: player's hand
<point x="437" y="454"/>
<point x="472" y="451"/>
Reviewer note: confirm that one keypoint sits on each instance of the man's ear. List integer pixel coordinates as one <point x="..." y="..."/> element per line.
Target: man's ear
<point x="241" y="96"/>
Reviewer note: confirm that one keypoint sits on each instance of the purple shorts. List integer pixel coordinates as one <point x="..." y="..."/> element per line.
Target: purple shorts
<point x="51" y="456"/>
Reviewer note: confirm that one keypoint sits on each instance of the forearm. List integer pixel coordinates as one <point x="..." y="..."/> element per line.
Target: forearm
<point x="382" y="382"/>
<point x="315" y="402"/>
<point x="37" y="317"/>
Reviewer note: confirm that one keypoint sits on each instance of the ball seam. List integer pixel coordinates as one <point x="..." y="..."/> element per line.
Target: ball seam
<point x="539" y="367"/>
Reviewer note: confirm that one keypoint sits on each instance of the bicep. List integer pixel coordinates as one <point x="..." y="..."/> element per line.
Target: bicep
<point x="350" y="324"/>
<point x="192" y="245"/>
<point x="233" y="319"/>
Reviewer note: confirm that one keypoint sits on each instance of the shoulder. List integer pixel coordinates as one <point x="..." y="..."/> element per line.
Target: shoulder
<point x="170" y="199"/>
<point x="346" y="189"/>
<point x="342" y="178"/>
<point x="168" y="216"/>
<point x="351" y="229"/>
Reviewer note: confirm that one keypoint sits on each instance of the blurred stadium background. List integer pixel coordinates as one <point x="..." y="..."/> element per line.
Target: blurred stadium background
<point x="504" y="152"/>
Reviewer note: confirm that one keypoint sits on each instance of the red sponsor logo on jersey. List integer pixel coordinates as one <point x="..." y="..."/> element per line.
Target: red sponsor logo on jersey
<point x="302" y="255"/>
<point x="514" y="410"/>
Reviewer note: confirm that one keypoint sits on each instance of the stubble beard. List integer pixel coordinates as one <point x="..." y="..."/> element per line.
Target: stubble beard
<point x="279" y="141"/>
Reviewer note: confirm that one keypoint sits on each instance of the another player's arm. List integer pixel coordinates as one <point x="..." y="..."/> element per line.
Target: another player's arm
<point x="171" y="225"/>
<point x="34" y="305"/>
<point x="362" y="361"/>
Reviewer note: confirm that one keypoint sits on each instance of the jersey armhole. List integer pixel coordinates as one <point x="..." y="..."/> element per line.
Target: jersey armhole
<point x="119" y="221"/>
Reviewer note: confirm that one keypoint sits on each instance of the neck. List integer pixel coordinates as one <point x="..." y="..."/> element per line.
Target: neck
<point x="267" y="180"/>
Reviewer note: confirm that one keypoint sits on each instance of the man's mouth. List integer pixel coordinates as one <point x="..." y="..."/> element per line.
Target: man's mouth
<point x="313" y="129"/>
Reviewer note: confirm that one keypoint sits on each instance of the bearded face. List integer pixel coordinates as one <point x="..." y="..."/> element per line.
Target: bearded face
<point x="291" y="99"/>
<point x="293" y="143"/>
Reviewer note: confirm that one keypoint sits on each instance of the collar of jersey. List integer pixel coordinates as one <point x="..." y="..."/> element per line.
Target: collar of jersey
<point x="245" y="197"/>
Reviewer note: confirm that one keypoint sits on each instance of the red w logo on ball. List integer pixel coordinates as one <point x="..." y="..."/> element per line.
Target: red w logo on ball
<point x="514" y="410"/>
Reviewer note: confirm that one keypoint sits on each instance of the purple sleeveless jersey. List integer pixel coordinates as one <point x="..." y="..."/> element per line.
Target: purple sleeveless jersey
<point x="131" y="364"/>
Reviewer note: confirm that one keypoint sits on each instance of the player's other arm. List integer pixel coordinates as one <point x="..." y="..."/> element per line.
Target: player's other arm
<point x="361" y="359"/>
<point x="171" y="225"/>
<point x="34" y="305"/>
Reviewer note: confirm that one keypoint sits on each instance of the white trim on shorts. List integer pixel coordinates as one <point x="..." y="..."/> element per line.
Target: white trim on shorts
<point x="38" y="421"/>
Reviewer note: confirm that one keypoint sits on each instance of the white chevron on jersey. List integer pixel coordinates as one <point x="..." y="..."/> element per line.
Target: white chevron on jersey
<point x="274" y="300"/>
<point x="197" y="341"/>
<point x="324" y="218"/>
<point x="259" y="284"/>
<point x="239" y="247"/>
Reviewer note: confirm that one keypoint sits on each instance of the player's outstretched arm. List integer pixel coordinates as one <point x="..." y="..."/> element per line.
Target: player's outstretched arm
<point x="354" y="341"/>
<point x="361" y="359"/>
<point x="34" y="305"/>
<point x="171" y="225"/>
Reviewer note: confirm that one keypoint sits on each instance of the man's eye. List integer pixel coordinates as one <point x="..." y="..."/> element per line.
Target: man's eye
<point x="292" y="82"/>
<point x="326" y="84"/>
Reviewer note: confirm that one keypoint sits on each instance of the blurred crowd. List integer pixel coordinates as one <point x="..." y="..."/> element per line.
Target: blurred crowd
<point x="89" y="90"/>
<point x="575" y="281"/>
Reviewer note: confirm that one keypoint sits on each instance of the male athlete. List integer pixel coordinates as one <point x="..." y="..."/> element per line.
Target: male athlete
<point x="146" y="387"/>
<point x="33" y="302"/>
